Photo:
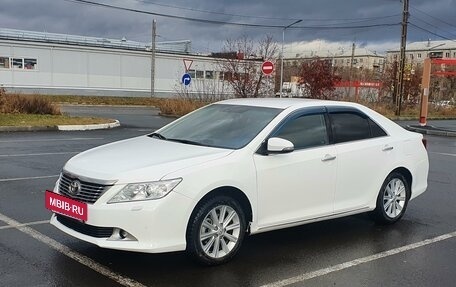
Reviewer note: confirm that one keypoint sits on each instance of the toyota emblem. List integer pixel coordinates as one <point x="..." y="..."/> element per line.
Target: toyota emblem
<point x="74" y="187"/>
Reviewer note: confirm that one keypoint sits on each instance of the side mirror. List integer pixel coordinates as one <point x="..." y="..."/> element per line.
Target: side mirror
<point x="279" y="145"/>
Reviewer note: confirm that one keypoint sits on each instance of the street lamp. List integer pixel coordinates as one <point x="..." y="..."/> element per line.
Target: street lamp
<point x="281" y="56"/>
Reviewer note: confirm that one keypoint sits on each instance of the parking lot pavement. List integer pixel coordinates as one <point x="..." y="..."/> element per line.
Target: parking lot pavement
<point x="351" y="251"/>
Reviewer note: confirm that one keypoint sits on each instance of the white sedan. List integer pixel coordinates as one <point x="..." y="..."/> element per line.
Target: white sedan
<point x="239" y="167"/>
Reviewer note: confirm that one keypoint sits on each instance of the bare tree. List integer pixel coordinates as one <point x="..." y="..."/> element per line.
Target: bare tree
<point x="241" y="65"/>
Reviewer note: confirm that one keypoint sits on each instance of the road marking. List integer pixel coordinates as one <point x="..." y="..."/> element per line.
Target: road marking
<point x="24" y="224"/>
<point x="349" y="264"/>
<point x="48" y="140"/>
<point x="65" y="250"/>
<point x="27" y="178"/>
<point x="38" y="154"/>
<point x="443" y="153"/>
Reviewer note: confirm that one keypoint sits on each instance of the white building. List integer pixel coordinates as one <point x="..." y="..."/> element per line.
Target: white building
<point x="362" y="59"/>
<point x="416" y="52"/>
<point x="48" y="63"/>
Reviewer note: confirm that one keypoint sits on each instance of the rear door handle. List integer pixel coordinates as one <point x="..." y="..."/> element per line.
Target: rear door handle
<point x="387" y="148"/>
<point x="328" y="157"/>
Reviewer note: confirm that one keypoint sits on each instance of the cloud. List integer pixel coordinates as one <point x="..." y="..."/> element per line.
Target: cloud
<point x="67" y="17"/>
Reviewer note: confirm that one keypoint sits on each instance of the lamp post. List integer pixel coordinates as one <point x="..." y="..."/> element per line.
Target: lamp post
<point x="281" y="56"/>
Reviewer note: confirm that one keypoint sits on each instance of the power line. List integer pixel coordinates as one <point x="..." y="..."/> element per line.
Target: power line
<point x="430" y="32"/>
<point x="362" y="19"/>
<point x="434" y="26"/>
<point x="217" y="22"/>
<point x="435" y="18"/>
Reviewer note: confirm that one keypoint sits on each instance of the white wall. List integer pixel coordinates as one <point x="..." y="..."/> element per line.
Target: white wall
<point x="67" y="68"/>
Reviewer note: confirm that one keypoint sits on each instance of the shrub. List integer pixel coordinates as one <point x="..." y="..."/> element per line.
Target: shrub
<point x="11" y="103"/>
<point x="179" y="107"/>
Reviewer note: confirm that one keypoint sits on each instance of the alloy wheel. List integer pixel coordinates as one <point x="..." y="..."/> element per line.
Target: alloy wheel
<point x="394" y="197"/>
<point x="219" y="231"/>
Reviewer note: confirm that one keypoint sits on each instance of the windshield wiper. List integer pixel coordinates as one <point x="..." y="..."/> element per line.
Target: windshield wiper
<point x="157" y="135"/>
<point x="185" y="141"/>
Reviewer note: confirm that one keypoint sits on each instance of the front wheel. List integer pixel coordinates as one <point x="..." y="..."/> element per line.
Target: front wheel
<point x="216" y="230"/>
<point x="392" y="199"/>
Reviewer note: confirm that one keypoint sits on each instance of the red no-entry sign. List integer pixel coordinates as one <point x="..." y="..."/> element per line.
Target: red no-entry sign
<point x="267" y="67"/>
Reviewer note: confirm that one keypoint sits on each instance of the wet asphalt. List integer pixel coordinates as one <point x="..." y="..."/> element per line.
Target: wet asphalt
<point x="264" y="258"/>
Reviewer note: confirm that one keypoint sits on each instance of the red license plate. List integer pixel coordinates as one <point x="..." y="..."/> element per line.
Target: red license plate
<point x="66" y="206"/>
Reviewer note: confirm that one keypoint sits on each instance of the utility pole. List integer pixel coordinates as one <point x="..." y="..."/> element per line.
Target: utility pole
<point x="400" y="86"/>
<point x="352" y="60"/>
<point x="152" y="62"/>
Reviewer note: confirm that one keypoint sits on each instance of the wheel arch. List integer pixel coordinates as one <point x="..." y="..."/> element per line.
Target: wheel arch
<point x="230" y="191"/>
<point x="406" y="173"/>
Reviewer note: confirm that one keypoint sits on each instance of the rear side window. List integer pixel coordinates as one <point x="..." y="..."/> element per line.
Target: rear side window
<point x="376" y="130"/>
<point x="349" y="127"/>
<point x="305" y="131"/>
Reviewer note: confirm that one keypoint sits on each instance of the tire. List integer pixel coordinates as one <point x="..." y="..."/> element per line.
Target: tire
<point x="210" y="242"/>
<point x="392" y="199"/>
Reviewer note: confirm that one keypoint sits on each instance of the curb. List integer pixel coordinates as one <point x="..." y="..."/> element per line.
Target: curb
<point x="114" y="124"/>
<point x="433" y="132"/>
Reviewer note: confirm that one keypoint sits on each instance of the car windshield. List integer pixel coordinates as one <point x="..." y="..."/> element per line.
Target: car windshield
<point x="219" y="125"/>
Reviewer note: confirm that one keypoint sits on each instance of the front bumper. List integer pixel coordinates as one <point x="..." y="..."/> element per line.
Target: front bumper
<point x="156" y="225"/>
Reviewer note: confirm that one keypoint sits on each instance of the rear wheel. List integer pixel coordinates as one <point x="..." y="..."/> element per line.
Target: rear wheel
<point x="392" y="199"/>
<point x="216" y="230"/>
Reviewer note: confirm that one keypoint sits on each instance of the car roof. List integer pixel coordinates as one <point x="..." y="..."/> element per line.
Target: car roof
<point x="284" y="103"/>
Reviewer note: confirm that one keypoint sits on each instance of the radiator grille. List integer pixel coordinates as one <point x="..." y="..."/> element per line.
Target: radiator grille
<point x="89" y="193"/>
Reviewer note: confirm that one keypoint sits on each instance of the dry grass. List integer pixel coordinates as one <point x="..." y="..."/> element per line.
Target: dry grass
<point x="172" y="107"/>
<point x="104" y="100"/>
<point x="11" y="103"/>
<point x="412" y="111"/>
<point x="179" y="107"/>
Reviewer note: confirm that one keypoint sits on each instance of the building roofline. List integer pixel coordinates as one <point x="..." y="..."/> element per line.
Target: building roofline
<point x="76" y="40"/>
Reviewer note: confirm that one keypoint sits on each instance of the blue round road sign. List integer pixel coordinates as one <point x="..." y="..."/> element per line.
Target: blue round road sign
<point x="186" y="79"/>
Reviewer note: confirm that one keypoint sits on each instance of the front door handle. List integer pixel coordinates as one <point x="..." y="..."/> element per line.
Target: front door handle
<point x="387" y="148"/>
<point x="328" y="157"/>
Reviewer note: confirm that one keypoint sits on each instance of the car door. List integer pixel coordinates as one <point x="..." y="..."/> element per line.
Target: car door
<point x="298" y="185"/>
<point x="364" y="154"/>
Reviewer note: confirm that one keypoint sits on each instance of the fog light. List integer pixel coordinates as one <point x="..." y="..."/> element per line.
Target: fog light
<point x="120" y="234"/>
<point x="123" y="234"/>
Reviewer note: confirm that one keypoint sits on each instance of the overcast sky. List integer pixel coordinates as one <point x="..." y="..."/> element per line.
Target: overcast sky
<point x="65" y="16"/>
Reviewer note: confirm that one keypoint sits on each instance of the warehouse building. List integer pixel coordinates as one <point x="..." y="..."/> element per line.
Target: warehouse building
<point x="49" y="63"/>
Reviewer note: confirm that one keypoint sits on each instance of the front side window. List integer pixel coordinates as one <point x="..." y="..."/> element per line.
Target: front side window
<point x="220" y="125"/>
<point x="348" y="126"/>
<point x="305" y="131"/>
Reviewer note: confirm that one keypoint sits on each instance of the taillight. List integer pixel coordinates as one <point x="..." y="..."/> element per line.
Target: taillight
<point x="424" y="142"/>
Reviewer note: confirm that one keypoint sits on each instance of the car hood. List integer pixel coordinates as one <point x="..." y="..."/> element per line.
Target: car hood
<point x="140" y="159"/>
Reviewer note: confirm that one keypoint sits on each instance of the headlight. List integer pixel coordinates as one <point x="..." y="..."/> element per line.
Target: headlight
<point x="145" y="190"/>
